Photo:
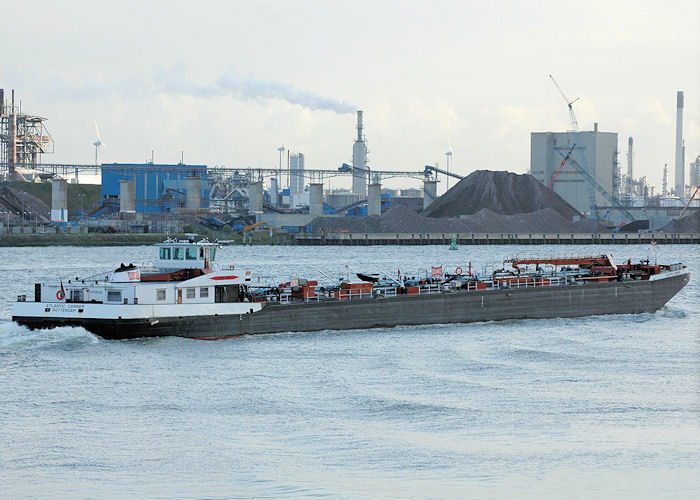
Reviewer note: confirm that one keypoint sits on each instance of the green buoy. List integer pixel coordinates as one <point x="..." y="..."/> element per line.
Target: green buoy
<point x="453" y="244"/>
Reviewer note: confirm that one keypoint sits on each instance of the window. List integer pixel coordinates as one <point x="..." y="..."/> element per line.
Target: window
<point x="190" y="293"/>
<point x="178" y="253"/>
<point x="204" y="292"/>
<point x="201" y="253"/>
<point x="77" y="295"/>
<point x="165" y="253"/>
<point x="191" y="253"/>
<point x="212" y="252"/>
<point x="114" y="296"/>
<point x="160" y="294"/>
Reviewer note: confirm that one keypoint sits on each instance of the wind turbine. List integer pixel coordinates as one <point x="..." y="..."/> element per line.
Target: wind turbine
<point x="98" y="142"/>
<point x="449" y="161"/>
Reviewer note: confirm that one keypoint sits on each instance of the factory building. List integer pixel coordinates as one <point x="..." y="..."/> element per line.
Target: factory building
<point x="695" y="172"/>
<point x="154" y="188"/>
<point x="593" y="150"/>
<point x="296" y="169"/>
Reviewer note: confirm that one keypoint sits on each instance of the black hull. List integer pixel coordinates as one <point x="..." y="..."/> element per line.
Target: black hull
<point x="627" y="297"/>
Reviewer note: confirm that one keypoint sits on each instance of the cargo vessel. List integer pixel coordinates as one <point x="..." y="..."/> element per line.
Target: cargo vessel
<point x="186" y="293"/>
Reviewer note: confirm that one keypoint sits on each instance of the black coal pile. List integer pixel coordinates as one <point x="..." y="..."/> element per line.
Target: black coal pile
<point x="635" y="226"/>
<point x="502" y="193"/>
<point x="401" y="219"/>
<point x="689" y="223"/>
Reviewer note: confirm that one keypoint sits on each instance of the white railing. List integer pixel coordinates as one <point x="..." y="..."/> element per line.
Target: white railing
<point x="424" y="289"/>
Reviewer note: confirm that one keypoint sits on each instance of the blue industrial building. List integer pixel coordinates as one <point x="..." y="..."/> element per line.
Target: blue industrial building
<point x="159" y="188"/>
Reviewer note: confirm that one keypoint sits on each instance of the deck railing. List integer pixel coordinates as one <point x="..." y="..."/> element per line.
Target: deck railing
<point x="423" y="289"/>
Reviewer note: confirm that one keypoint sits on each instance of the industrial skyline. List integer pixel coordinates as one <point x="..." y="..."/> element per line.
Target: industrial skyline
<point x="239" y="85"/>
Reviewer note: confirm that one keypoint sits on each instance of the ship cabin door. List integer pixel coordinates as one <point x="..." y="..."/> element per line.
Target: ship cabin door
<point x="227" y="293"/>
<point x="179" y="295"/>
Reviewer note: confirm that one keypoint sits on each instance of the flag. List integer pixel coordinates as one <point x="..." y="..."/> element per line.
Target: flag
<point x="653" y="245"/>
<point x="437" y="271"/>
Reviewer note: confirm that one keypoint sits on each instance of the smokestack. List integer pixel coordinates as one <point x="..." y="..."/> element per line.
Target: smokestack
<point x="630" y="142"/>
<point x="359" y="125"/>
<point x="680" y="177"/>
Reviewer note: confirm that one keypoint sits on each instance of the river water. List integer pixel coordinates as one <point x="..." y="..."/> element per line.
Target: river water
<point x="604" y="406"/>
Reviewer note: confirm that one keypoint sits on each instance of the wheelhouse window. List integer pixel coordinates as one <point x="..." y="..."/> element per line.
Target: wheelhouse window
<point x="212" y="252"/>
<point x="165" y="253"/>
<point x="114" y="296"/>
<point x="178" y="253"/>
<point x="204" y="292"/>
<point x="190" y="293"/>
<point x="160" y="294"/>
<point x="191" y="253"/>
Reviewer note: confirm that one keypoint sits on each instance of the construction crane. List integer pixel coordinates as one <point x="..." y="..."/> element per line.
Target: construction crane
<point x="577" y="140"/>
<point x="561" y="165"/>
<point x="590" y="180"/>
<point x="689" y="201"/>
<point x="569" y="104"/>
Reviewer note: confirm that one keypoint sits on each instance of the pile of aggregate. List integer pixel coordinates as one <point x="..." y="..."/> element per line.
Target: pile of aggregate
<point x="635" y="226"/>
<point x="401" y="219"/>
<point x="15" y="200"/>
<point x="689" y="223"/>
<point x="502" y="193"/>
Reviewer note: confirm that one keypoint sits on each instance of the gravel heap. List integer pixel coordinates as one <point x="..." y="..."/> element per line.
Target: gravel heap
<point x="401" y="219"/>
<point x="689" y="223"/>
<point x="502" y="193"/>
<point x="14" y="200"/>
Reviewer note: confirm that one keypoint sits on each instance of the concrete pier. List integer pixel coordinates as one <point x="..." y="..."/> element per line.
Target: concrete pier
<point x="495" y="238"/>
<point x="127" y="196"/>
<point x="316" y="199"/>
<point x="429" y="193"/>
<point x="59" y="200"/>
<point x="194" y="193"/>
<point x="255" y="197"/>
<point x="374" y="199"/>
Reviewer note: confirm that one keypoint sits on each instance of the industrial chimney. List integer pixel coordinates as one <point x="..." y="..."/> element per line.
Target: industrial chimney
<point x="680" y="171"/>
<point x="630" y="143"/>
<point x="359" y="161"/>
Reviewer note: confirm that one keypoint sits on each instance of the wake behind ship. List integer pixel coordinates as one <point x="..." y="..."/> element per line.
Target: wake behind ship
<point x="185" y="293"/>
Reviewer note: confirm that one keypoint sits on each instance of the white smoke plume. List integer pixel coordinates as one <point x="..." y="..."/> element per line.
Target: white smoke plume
<point x="244" y="87"/>
<point x="175" y="81"/>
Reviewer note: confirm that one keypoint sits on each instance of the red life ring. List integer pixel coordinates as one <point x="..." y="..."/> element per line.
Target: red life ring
<point x="60" y="295"/>
<point x="458" y="271"/>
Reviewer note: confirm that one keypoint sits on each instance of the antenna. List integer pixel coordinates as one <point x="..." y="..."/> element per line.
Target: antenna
<point x="98" y="143"/>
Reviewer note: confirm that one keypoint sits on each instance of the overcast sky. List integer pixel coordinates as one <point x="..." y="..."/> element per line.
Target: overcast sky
<point x="228" y="82"/>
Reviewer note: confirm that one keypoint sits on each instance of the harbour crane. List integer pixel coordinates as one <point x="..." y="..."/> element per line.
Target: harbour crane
<point x="577" y="140"/>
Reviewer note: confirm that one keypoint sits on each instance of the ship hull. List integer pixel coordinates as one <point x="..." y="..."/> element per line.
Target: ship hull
<point x="625" y="297"/>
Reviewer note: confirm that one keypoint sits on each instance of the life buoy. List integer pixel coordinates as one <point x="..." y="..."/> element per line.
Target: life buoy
<point x="60" y="295"/>
<point x="458" y="271"/>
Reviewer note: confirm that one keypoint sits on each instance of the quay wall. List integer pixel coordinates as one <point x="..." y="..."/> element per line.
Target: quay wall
<point x="495" y="238"/>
